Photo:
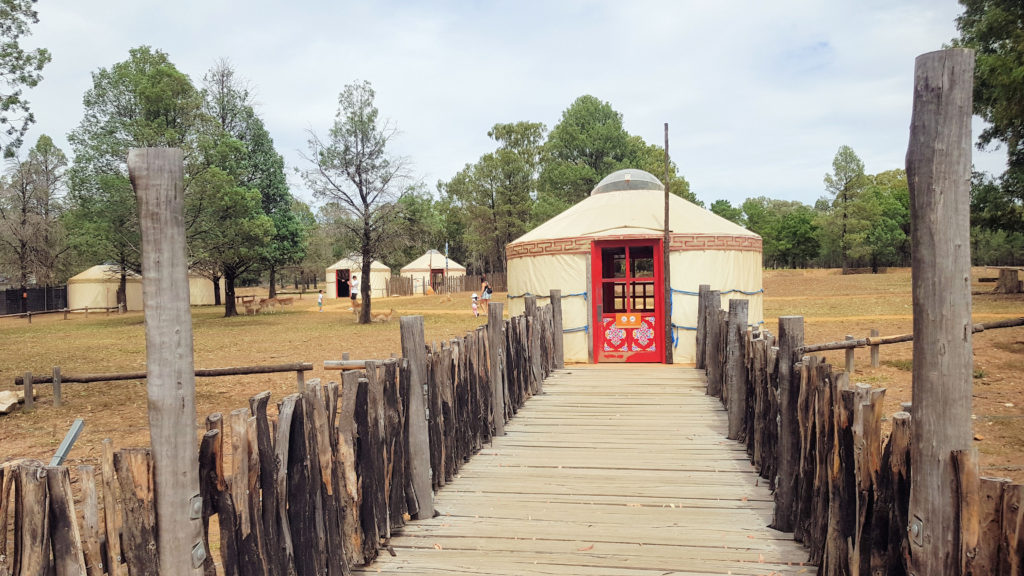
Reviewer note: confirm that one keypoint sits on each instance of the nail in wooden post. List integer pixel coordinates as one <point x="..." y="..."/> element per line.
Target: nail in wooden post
<point x="30" y="401"/>
<point x="736" y="369"/>
<point x="157" y="176"/>
<point x="791" y="337"/>
<point x="557" y="336"/>
<point x="849" y="357"/>
<point x="939" y="177"/>
<point x="414" y="350"/>
<point x="874" y="349"/>
<point x="496" y="348"/>
<point x="57" y="400"/>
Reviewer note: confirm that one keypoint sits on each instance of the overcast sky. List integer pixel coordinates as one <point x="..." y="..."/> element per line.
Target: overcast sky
<point x="758" y="95"/>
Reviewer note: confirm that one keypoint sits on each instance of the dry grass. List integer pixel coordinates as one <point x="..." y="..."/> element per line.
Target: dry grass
<point x="833" y="306"/>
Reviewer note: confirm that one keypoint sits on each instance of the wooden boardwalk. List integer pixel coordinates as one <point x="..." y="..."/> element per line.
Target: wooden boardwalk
<point x="615" y="470"/>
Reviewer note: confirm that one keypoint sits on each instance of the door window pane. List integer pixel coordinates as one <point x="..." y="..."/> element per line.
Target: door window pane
<point x="642" y="295"/>
<point x="613" y="263"/>
<point x="641" y="262"/>
<point x="613" y="298"/>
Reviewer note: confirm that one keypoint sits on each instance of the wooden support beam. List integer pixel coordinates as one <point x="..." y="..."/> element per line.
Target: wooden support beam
<point x="939" y="177"/>
<point x="496" y="350"/>
<point x="414" y="350"/>
<point x="558" y="338"/>
<point x="849" y="356"/>
<point x="874" y="349"/>
<point x="791" y="337"/>
<point x="736" y="369"/>
<point x="30" y="399"/>
<point x="57" y="400"/>
<point x="712" y="362"/>
<point x="702" y="327"/>
<point x="157" y="176"/>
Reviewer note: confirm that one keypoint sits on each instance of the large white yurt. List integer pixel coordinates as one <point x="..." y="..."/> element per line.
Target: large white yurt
<point x="339" y="273"/>
<point x="431" y="269"/>
<point x="605" y="254"/>
<point x="96" y="287"/>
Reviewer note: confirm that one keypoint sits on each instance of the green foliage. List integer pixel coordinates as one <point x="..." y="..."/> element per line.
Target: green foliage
<point x="726" y="210"/>
<point x="788" y="231"/>
<point x="19" y="69"/>
<point x="843" y="184"/>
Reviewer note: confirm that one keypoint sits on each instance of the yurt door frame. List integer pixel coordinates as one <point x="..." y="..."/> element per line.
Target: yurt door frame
<point x="341" y="286"/>
<point x="627" y="305"/>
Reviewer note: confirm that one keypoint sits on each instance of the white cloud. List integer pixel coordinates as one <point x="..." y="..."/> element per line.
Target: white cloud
<point x="758" y="95"/>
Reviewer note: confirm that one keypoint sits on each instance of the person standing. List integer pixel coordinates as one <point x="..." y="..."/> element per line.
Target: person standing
<point x="476" y="306"/>
<point x="485" y="290"/>
<point x="353" y="289"/>
<point x="320" y="301"/>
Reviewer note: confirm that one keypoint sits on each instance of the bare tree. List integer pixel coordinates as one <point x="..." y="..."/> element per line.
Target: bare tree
<point x="353" y="168"/>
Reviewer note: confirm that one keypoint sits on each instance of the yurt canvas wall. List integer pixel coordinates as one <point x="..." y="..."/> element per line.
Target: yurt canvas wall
<point x="96" y="287"/>
<point x="200" y="291"/>
<point x="420" y="269"/>
<point x="379" y="275"/>
<point x="704" y="249"/>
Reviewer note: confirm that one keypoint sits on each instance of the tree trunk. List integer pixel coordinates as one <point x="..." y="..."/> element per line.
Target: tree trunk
<point x="122" y="289"/>
<point x="364" y="285"/>
<point x="229" y="293"/>
<point x="216" y="291"/>
<point x="273" y="282"/>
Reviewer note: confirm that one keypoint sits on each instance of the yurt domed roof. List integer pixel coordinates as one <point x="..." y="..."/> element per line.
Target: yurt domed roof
<point x="628" y="180"/>
<point x="432" y="259"/>
<point x="632" y="207"/>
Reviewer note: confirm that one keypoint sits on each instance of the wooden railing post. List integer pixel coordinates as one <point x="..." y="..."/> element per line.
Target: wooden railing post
<point x="29" y="394"/>
<point x="533" y="343"/>
<point x="157" y="176"/>
<point x="736" y="369"/>
<point x="702" y="326"/>
<point x="939" y="177"/>
<point x="496" y="351"/>
<point x="849" y="357"/>
<point x="874" y="349"/>
<point x="414" y="350"/>
<point x="557" y="337"/>
<point x="791" y="337"/>
<point x="711" y="343"/>
<point x="57" y="400"/>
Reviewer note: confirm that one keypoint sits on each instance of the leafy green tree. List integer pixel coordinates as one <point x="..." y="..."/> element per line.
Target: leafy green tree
<point x="143" y="101"/>
<point x="19" y="69"/>
<point x="651" y="158"/>
<point x="876" y="226"/>
<point x="353" y="168"/>
<point x="995" y="30"/>
<point x="32" y="238"/>
<point x="726" y="210"/>
<point x="843" y="184"/>
<point x="788" y="231"/>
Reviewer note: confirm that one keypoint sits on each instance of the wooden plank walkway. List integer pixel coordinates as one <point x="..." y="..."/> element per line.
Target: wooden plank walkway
<point x="615" y="470"/>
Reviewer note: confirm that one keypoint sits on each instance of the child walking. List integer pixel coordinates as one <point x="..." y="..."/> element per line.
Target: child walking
<point x="320" y="301"/>
<point x="476" y="306"/>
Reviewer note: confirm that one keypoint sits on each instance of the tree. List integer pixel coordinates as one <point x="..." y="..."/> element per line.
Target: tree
<point x="141" y="102"/>
<point x="353" y="168"/>
<point x="876" y="226"/>
<point x="995" y="30"/>
<point x="845" y="181"/>
<point x="31" y="234"/>
<point x="19" y="69"/>
<point x="787" y="230"/>
<point x="651" y="158"/>
<point x="726" y="210"/>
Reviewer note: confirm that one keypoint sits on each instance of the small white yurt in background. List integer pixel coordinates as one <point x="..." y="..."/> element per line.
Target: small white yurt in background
<point x="606" y="256"/>
<point x="431" y="269"/>
<point x="338" y="275"/>
<point x="96" y="287"/>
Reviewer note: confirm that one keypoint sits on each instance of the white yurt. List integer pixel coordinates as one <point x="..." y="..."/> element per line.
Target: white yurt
<point x="96" y="287"/>
<point x="431" y="269"/>
<point x="339" y="273"/>
<point x="605" y="254"/>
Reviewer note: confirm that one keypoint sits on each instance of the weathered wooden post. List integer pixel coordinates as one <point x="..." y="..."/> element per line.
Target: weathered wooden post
<point x="791" y="337"/>
<point x="57" y="400"/>
<point x="874" y="349"/>
<point x="30" y="401"/>
<point x="157" y="176"/>
<point x="939" y="176"/>
<point x="1008" y="282"/>
<point x="702" y="325"/>
<point x="414" y="350"/>
<point x="736" y="369"/>
<point x="496" y="350"/>
<point x="849" y="357"/>
<point x="714" y="367"/>
<point x="557" y="336"/>
<point x="533" y="342"/>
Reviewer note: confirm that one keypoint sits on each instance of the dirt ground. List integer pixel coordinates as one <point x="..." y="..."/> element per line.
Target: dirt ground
<point x="833" y="306"/>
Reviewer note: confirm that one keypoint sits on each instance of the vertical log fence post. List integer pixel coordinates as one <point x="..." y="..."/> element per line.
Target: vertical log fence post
<point x="736" y="369"/>
<point x="496" y="350"/>
<point x="414" y="349"/>
<point x="157" y="176"/>
<point x="57" y="399"/>
<point x="874" y="349"/>
<point x="791" y="337"/>
<point x="939" y="177"/>
<point x="533" y="342"/>
<point x="557" y="335"/>
<point x="849" y="357"/>
<point x="714" y="302"/>
<point x="702" y="325"/>
<point x="30" y="401"/>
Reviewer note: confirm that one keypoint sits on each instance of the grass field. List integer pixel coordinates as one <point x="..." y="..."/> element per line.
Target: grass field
<point x="833" y="306"/>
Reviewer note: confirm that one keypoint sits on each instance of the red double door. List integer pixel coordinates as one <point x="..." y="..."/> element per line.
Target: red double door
<point x="628" y="303"/>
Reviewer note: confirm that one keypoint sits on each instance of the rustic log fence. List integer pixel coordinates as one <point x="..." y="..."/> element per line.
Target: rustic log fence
<point x="843" y="489"/>
<point x="65" y="312"/>
<point x="318" y="488"/>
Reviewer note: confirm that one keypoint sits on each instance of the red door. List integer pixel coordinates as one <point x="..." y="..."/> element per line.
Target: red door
<point x="627" y="304"/>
